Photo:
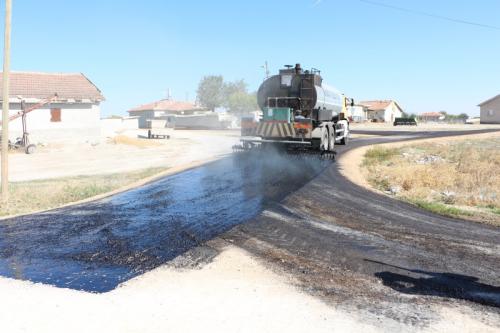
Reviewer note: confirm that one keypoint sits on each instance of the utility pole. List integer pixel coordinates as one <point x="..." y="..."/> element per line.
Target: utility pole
<point x="5" y="104"/>
<point x="266" y="68"/>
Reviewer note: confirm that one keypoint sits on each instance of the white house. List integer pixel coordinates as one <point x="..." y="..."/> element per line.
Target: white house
<point x="73" y="116"/>
<point x="490" y="111"/>
<point x="162" y="108"/>
<point x="383" y="111"/>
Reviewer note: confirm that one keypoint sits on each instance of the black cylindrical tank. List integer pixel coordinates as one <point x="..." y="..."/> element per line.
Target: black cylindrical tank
<point x="287" y="88"/>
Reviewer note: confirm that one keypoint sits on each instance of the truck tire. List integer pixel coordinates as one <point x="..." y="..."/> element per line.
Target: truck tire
<point x="344" y="140"/>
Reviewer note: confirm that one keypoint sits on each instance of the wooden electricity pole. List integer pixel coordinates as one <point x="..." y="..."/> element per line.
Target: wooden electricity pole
<point x="5" y="104"/>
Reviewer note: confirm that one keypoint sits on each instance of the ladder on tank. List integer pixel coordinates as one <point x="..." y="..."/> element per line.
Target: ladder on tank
<point x="306" y="88"/>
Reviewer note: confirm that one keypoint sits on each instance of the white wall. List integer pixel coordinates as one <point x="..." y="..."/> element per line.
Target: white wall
<point x="357" y="113"/>
<point x="111" y="127"/>
<point x="380" y="115"/>
<point x="79" y="123"/>
<point x="144" y="116"/>
<point x="391" y="113"/>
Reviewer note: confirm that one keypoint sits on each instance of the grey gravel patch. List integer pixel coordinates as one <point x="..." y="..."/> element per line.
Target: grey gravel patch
<point x="195" y="258"/>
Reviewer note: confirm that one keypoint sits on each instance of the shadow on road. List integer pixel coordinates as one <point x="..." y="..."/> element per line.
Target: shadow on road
<point x="449" y="285"/>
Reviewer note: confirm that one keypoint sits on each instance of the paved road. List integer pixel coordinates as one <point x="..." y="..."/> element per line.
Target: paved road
<point x="343" y="243"/>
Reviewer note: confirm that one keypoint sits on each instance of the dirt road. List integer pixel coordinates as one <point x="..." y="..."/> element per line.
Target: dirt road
<point x="107" y="157"/>
<point x="351" y="247"/>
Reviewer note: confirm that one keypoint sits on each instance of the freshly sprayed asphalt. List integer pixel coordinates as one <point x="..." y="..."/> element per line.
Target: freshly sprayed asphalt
<point x="95" y="246"/>
<point x="369" y="252"/>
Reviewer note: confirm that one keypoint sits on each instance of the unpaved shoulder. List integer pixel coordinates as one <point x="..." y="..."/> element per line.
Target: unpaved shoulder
<point x="350" y="162"/>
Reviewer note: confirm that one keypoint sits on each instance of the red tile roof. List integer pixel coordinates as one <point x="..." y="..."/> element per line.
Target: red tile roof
<point x="376" y="105"/>
<point x="431" y="114"/>
<point x="42" y="85"/>
<point x="379" y="104"/>
<point x="167" y="105"/>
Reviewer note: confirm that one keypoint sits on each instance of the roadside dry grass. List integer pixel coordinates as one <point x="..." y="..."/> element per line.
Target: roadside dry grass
<point x="31" y="196"/>
<point x="459" y="178"/>
<point x="136" y="142"/>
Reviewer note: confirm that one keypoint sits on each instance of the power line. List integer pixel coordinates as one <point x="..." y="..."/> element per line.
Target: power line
<point x="440" y="17"/>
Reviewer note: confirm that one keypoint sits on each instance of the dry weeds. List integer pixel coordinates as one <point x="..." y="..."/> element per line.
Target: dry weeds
<point x="459" y="178"/>
<point x="136" y="142"/>
<point x="31" y="196"/>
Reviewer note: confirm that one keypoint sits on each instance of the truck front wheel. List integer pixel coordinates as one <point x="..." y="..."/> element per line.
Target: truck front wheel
<point x="325" y="140"/>
<point x="344" y="140"/>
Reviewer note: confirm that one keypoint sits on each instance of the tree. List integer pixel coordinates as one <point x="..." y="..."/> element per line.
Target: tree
<point x="214" y="92"/>
<point x="237" y="99"/>
<point x="409" y="115"/>
<point x="232" y="88"/>
<point x="242" y="102"/>
<point x="210" y="91"/>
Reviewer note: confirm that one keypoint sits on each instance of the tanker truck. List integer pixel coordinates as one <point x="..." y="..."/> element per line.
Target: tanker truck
<point x="300" y="112"/>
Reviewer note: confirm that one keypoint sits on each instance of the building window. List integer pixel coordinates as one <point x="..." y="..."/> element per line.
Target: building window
<point x="55" y="115"/>
<point x="490" y="113"/>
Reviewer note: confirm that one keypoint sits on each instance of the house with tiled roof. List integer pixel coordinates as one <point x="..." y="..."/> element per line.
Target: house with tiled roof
<point x="432" y="116"/>
<point x="162" y="108"/>
<point x="382" y="110"/>
<point x="73" y="116"/>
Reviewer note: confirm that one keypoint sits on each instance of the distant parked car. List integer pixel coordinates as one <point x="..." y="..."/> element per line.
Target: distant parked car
<point x="405" y="121"/>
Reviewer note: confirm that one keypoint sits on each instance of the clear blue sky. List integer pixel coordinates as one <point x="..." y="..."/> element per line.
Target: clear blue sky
<point x="135" y="50"/>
